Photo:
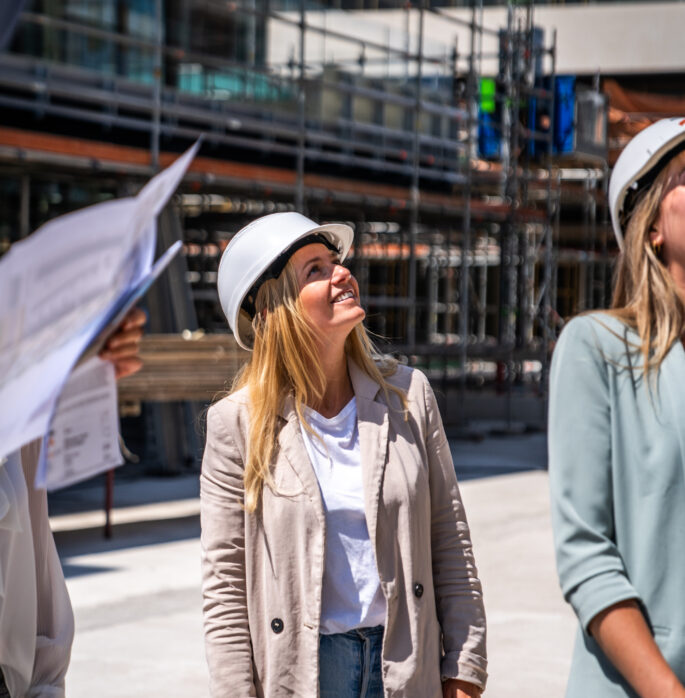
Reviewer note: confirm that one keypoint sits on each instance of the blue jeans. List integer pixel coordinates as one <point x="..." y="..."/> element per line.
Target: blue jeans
<point x="350" y="664"/>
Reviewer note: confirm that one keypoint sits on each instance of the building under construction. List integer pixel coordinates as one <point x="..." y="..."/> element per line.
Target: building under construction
<point x="472" y="173"/>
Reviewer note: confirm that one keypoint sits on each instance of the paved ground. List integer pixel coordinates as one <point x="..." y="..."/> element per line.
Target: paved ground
<point x="137" y="601"/>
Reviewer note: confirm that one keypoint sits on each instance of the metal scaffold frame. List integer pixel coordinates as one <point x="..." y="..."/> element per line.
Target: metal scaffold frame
<point x="455" y="253"/>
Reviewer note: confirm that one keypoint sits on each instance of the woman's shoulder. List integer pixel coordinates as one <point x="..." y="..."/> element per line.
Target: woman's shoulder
<point x="600" y="338"/>
<point x="230" y="412"/>
<point x="599" y="328"/>
<point x="408" y="379"/>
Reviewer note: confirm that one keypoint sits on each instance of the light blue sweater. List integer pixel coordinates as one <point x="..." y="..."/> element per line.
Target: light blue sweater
<point x="617" y="478"/>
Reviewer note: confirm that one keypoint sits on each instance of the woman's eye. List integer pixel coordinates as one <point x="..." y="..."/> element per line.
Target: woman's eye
<point x="314" y="269"/>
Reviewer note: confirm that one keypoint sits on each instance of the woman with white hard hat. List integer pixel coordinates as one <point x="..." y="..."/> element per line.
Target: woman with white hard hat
<point x="336" y="554"/>
<point x="617" y="440"/>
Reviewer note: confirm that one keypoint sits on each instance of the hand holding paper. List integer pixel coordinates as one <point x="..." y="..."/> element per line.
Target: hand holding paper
<point x="122" y="348"/>
<point x="64" y="289"/>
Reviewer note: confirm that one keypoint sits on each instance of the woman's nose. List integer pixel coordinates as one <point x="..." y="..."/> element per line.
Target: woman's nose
<point x="341" y="273"/>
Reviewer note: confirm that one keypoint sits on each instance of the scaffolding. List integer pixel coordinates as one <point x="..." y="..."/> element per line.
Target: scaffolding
<point x="456" y="254"/>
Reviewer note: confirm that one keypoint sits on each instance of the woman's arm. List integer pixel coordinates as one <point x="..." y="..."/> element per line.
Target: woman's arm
<point x="591" y="570"/>
<point x="227" y="636"/>
<point x="458" y="594"/>
<point x="624" y="636"/>
<point x="453" y="688"/>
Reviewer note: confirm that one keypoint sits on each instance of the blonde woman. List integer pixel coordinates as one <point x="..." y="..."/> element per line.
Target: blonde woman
<point x="336" y="553"/>
<point x="617" y="441"/>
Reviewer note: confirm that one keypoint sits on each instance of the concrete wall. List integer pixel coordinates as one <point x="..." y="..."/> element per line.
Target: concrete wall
<point x="643" y="37"/>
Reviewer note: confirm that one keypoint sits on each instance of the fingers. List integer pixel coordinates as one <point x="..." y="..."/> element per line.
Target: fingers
<point x="121" y="350"/>
<point x="122" y="338"/>
<point x="127" y="367"/>
<point x="129" y="332"/>
<point x="134" y="318"/>
<point x="123" y="347"/>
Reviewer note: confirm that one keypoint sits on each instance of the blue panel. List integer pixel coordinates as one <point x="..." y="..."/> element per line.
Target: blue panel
<point x="564" y="109"/>
<point x="488" y="136"/>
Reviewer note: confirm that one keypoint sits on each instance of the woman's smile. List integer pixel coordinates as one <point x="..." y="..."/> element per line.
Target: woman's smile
<point x="328" y="292"/>
<point x="345" y="295"/>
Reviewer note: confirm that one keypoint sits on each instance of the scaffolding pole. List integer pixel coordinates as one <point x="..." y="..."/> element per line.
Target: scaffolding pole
<point x="466" y="253"/>
<point x="301" y="114"/>
<point x="415" y="181"/>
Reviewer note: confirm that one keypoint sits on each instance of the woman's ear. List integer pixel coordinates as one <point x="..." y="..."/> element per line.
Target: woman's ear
<point x="656" y="237"/>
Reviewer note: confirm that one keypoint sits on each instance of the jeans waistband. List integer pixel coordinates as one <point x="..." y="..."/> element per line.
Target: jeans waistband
<point x="362" y="633"/>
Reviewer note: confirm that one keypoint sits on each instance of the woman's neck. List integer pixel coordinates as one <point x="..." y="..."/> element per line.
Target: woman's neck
<point x="678" y="275"/>
<point x="338" y="391"/>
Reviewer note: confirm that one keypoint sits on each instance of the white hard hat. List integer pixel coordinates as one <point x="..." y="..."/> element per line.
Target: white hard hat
<point x="639" y="163"/>
<point x="258" y="252"/>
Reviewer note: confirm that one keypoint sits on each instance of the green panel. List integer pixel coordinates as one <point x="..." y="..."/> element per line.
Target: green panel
<point x="487" y="95"/>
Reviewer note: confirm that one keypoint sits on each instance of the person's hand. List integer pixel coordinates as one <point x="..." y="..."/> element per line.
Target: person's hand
<point x="124" y="344"/>
<point x="455" y="688"/>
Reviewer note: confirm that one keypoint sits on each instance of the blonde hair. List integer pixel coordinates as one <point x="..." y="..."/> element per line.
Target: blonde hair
<point x="285" y="363"/>
<point x="645" y="295"/>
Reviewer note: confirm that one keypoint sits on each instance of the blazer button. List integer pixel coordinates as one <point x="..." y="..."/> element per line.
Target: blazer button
<point x="277" y="625"/>
<point x="418" y="590"/>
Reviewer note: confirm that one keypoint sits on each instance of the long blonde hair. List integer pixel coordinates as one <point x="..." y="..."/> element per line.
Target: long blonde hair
<point x="645" y="295"/>
<point x="285" y="363"/>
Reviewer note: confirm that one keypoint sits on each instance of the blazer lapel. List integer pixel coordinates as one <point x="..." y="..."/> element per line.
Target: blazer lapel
<point x="293" y="449"/>
<point x="372" y="419"/>
<point x="671" y="381"/>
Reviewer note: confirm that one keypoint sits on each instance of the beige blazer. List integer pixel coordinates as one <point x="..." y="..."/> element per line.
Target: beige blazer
<point x="262" y="573"/>
<point x="36" y="620"/>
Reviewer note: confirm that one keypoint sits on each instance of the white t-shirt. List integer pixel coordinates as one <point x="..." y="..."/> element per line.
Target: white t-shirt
<point x="352" y="595"/>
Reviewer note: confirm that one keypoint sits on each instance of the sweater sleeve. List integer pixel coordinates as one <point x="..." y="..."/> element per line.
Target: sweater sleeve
<point x="227" y="635"/>
<point x="458" y="592"/>
<point x="591" y="570"/>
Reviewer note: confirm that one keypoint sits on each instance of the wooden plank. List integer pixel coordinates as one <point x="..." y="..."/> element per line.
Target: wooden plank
<point x="177" y="369"/>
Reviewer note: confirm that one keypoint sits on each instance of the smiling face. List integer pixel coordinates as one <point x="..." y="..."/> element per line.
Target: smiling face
<point x="328" y="292"/>
<point x="669" y="227"/>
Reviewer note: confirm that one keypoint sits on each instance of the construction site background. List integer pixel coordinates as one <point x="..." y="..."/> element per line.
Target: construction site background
<point x="468" y="144"/>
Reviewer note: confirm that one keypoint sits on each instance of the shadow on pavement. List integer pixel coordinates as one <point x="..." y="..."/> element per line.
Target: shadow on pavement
<point x="82" y="570"/>
<point x="499" y="455"/>
<point x="124" y="536"/>
<point x="128" y="491"/>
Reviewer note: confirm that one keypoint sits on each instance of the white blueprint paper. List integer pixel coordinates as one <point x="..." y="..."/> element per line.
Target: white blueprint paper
<point x="60" y="287"/>
<point x="83" y="439"/>
<point x="126" y="302"/>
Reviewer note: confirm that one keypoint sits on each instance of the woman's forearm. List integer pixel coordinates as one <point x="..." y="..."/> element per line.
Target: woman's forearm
<point x="624" y="636"/>
<point x="454" y="688"/>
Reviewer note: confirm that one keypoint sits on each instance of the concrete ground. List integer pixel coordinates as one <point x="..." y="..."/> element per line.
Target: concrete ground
<point x="137" y="601"/>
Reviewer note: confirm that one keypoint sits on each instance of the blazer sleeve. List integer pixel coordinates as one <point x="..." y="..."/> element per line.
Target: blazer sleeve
<point x="227" y="636"/>
<point x="458" y="593"/>
<point x="591" y="570"/>
<point x="54" y="616"/>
